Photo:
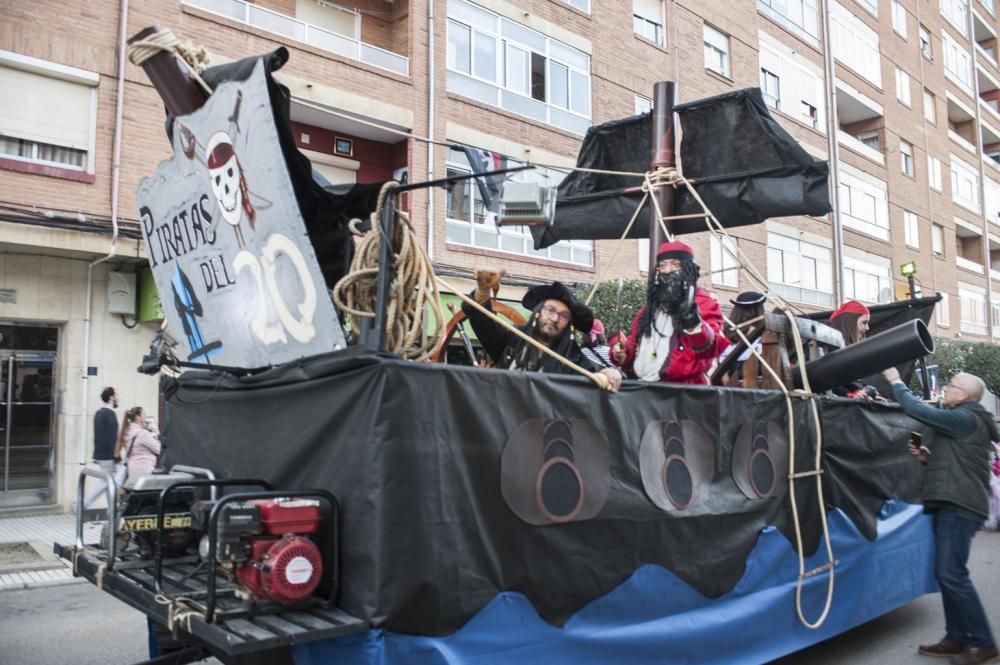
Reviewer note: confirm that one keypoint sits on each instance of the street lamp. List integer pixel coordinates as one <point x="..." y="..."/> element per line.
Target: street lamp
<point x="909" y="271"/>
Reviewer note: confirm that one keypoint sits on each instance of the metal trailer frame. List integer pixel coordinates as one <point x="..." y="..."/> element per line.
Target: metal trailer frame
<point x="203" y="605"/>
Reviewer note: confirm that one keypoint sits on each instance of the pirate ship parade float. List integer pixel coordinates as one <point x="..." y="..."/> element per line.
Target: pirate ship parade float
<point x="434" y="513"/>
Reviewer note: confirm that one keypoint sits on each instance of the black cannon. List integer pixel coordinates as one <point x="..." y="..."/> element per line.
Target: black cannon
<point x="905" y="342"/>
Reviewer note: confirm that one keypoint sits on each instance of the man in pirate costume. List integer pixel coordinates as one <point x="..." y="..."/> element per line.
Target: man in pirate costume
<point x="555" y="313"/>
<point x="677" y="334"/>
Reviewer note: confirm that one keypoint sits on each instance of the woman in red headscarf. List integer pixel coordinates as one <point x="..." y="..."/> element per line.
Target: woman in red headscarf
<point x="851" y="319"/>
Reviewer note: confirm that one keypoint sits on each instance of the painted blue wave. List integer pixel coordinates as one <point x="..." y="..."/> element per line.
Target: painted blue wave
<point x="654" y="617"/>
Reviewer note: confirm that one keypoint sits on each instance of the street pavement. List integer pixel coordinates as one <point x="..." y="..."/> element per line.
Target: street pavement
<point x="67" y="621"/>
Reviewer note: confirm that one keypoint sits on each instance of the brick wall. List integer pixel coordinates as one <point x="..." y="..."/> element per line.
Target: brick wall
<point x="622" y="65"/>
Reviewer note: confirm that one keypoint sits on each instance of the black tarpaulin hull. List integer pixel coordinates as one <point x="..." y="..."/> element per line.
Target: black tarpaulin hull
<point x="415" y="453"/>
<point x="746" y="166"/>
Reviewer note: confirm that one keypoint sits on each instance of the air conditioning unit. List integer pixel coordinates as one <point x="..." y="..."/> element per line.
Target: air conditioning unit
<point x="526" y="204"/>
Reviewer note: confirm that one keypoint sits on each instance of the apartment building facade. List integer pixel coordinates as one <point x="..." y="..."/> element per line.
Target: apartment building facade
<point x="916" y="123"/>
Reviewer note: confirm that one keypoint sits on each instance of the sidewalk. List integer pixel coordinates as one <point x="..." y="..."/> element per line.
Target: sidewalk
<point x="40" y="567"/>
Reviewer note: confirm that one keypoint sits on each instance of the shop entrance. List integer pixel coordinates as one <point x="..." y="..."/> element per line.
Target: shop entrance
<point x="27" y="363"/>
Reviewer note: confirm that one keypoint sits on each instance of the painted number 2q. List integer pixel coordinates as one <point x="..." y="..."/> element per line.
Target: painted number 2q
<point x="264" y="271"/>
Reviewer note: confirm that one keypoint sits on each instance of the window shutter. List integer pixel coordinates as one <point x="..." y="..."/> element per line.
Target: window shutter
<point x="44" y="109"/>
<point x="649" y="9"/>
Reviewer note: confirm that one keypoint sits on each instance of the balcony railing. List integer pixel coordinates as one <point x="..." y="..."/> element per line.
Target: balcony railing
<point x="989" y="53"/>
<point x="300" y="31"/>
<point x="963" y="262"/>
<point x="957" y="138"/>
<point x="991" y="109"/>
<point x="857" y="146"/>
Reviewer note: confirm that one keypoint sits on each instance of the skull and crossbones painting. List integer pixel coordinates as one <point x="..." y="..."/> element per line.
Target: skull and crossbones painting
<point x="229" y="183"/>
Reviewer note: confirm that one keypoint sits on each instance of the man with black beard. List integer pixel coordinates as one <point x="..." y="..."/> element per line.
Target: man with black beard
<point x="677" y="334"/>
<point x="555" y="313"/>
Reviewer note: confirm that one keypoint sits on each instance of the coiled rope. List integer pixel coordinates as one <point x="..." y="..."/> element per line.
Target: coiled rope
<point x="413" y="284"/>
<point x="194" y="58"/>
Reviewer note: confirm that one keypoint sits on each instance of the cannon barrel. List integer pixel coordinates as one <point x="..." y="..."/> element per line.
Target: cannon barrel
<point x="895" y="346"/>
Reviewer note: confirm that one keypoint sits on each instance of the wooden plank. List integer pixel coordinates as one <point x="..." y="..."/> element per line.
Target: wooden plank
<point x="335" y="615"/>
<point x="247" y="630"/>
<point x="306" y="620"/>
<point x="276" y="624"/>
<point x="174" y="576"/>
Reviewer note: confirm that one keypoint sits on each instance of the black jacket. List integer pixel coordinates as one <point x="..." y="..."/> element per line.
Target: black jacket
<point x="105" y="433"/>
<point x="500" y="342"/>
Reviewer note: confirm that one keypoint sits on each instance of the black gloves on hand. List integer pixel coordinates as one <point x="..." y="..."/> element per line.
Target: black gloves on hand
<point x="688" y="316"/>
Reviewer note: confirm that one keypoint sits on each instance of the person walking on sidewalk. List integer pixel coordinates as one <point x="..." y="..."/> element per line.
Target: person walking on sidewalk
<point x="956" y="493"/>
<point x="138" y="447"/>
<point x="105" y="437"/>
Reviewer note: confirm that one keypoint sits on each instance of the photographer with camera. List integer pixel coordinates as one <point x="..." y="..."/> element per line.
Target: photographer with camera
<point x="677" y="334"/>
<point x="956" y="494"/>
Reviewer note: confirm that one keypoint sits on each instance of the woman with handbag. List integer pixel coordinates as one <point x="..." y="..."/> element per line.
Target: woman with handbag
<point x="138" y="448"/>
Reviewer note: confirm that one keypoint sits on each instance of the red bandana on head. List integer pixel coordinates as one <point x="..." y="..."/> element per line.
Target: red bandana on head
<point x="674" y="249"/>
<point x="851" y="307"/>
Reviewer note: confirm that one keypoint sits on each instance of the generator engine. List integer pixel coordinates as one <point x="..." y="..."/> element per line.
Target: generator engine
<point x="266" y="544"/>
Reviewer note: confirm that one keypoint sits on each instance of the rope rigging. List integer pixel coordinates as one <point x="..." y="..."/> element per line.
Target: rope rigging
<point x="414" y="286"/>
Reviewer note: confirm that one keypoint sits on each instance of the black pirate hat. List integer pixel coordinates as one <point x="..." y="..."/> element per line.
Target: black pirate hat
<point x="583" y="318"/>
<point x="749" y="299"/>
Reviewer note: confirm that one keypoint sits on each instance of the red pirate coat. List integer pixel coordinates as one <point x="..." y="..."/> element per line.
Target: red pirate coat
<point x="690" y="355"/>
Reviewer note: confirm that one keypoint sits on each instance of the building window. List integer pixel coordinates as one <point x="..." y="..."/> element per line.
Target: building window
<point x="934" y="173"/>
<point x="770" y="85"/>
<point x="992" y="201"/>
<point x="864" y="205"/>
<point x="956" y="13"/>
<point x="911" y="229"/>
<point x="789" y="83"/>
<point x="957" y="62"/>
<point x="871" y="6"/>
<point x="647" y="19"/>
<point x="899" y="18"/>
<point x="582" y="5"/>
<point x="49" y="113"/>
<point x="925" y="43"/>
<point x="964" y="184"/>
<point x="716" y="51"/>
<point x="943" y="311"/>
<point x="902" y="86"/>
<point x="470" y="222"/>
<point x="502" y="63"/>
<point x="725" y="267"/>
<point x="800" y="16"/>
<point x="810" y="115"/>
<point x="972" y="301"/>
<point x="799" y="270"/>
<point x="990" y="6"/>
<point x="867" y="277"/>
<point x="906" y="158"/>
<point x="930" y="107"/>
<point x="643" y="105"/>
<point x="871" y="140"/>
<point x="855" y="44"/>
<point x="937" y="239"/>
